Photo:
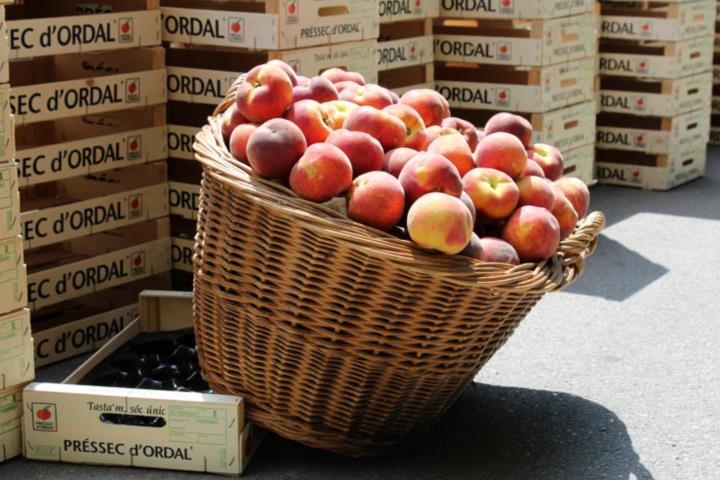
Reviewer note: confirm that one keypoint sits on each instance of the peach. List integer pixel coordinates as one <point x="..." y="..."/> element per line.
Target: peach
<point x="285" y="68"/>
<point x="491" y="249"/>
<point x="239" y="140"/>
<point x="503" y="152"/>
<point x="536" y="191"/>
<point x="512" y="124"/>
<point x="322" y="173"/>
<point x="266" y="93"/>
<point x="493" y="193"/>
<point x="465" y="128"/>
<point x="533" y="169"/>
<point x="336" y="75"/>
<point x="440" y="222"/>
<point x="302" y="80"/>
<point x="436" y="131"/>
<point x="455" y="149"/>
<point x="365" y="153"/>
<point x="395" y="97"/>
<point x="396" y="159"/>
<point x="314" y="122"/>
<point x="549" y="158"/>
<point x="274" y="147"/>
<point x="376" y="199"/>
<point x="432" y="107"/>
<point x="533" y="232"/>
<point x="369" y="95"/>
<point x="577" y="192"/>
<point x="565" y="214"/>
<point x="429" y="172"/>
<point x="338" y="111"/>
<point x="416" y="137"/>
<point x="340" y="86"/>
<point x="231" y="118"/>
<point x="470" y="205"/>
<point x="318" y="88"/>
<point x="389" y="130"/>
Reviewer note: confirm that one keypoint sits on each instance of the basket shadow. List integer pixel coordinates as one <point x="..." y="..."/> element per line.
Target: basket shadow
<point x="616" y="272"/>
<point x="490" y="433"/>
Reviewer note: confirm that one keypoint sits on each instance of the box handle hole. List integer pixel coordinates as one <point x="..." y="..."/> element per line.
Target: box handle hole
<point x="333" y="11"/>
<point x="133" y="420"/>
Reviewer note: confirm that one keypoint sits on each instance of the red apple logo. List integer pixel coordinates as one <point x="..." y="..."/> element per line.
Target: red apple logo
<point x="640" y="102"/>
<point x="502" y="95"/>
<point x="292" y="9"/>
<point x="137" y="261"/>
<point x="549" y="34"/>
<point x="504" y="49"/>
<point x="550" y="129"/>
<point x="135" y="204"/>
<point x="643" y="65"/>
<point x="44" y="414"/>
<point x="235" y="27"/>
<point x="133" y="145"/>
<point x="636" y="174"/>
<point x="640" y="138"/>
<point x="506" y="3"/>
<point x="125" y="27"/>
<point x="132" y="88"/>
<point x="418" y="3"/>
<point x="413" y="49"/>
<point x="645" y="27"/>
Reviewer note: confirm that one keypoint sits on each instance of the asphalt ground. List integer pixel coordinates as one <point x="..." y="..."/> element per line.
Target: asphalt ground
<point x="616" y="378"/>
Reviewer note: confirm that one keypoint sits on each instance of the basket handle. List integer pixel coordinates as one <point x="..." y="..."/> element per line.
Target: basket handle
<point x="576" y="248"/>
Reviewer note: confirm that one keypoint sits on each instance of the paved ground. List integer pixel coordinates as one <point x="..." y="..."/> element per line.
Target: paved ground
<point x="618" y="378"/>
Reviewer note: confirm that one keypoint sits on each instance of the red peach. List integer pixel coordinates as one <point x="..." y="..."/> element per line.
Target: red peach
<point x="429" y="172"/>
<point x="369" y="95"/>
<point x="493" y="193"/>
<point x="549" y="158"/>
<point x="396" y="159"/>
<point x="231" y="118"/>
<point x="314" y="122"/>
<point x="389" y="130"/>
<point x="577" y="192"/>
<point x="336" y="75"/>
<point x="440" y="222"/>
<point x="533" y="169"/>
<point x="365" y="153"/>
<point x="416" y="137"/>
<point x="503" y="152"/>
<point x="239" y="140"/>
<point x="512" y="124"/>
<point x="376" y="199"/>
<point x="338" y="111"/>
<point x="431" y="106"/>
<point x="322" y="173"/>
<point x="395" y="97"/>
<point x="536" y="191"/>
<point x="302" y="80"/>
<point x="436" y="131"/>
<point x="491" y="249"/>
<point x="340" y="86"/>
<point x="266" y="93"/>
<point x="565" y="214"/>
<point x="465" y="128"/>
<point x="533" y="232"/>
<point x="292" y="76"/>
<point x="318" y="88"/>
<point x="275" y="147"/>
<point x="455" y="149"/>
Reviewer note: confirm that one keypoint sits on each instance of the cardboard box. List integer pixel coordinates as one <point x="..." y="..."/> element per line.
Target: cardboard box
<point x="660" y="98"/>
<point x="199" y="432"/>
<point x="516" y="42"/>
<point x="654" y="135"/>
<point x="180" y="141"/>
<point x="405" y="44"/>
<point x="16" y="349"/>
<point x="650" y="172"/>
<point x="658" y="21"/>
<point x="532" y="90"/>
<point x="9" y="201"/>
<point x="184" y="199"/>
<point x="182" y="253"/>
<point x="525" y="9"/>
<point x="11" y="410"/>
<point x="13" y="279"/>
<point x="400" y="80"/>
<point x="269" y="25"/>
<point x="566" y="128"/>
<point x="4" y="49"/>
<point x="97" y="262"/>
<point x="580" y="163"/>
<point x="402" y="10"/>
<point x="32" y="36"/>
<point x="90" y="144"/>
<point x="48" y="88"/>
<point x="656" y="59"/>
<point x="7" y="126"/>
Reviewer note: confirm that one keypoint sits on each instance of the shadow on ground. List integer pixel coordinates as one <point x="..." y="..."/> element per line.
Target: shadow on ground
<point x="490" y="433"/>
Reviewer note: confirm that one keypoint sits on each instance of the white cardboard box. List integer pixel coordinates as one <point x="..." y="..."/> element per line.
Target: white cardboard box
<point x="580" y="163"/>
<point x="402" y="10"/>
<point x="13" y="280"/>
<point x="184" y="199"/>
<point x="180" y="141"/>
<point x="526" y="9"/>
<point x="11" y="410"/>
<point x="7" y="126"/>
<point x="182" y="252"/>
<point x="16" y="349"/>
<point x="404" y="52"/>
<point x="199" y="432"/>
<point x="9" y="200"/>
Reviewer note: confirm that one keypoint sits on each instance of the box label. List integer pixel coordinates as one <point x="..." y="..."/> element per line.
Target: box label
<point x="527" y="9"/>
<point x="405" y="52"/>
<point x="180" y="141"/>
<point x="182" y="253"/>
<point x="195" y="85"/>
<point x="184" y="199"/>
<point x="401" y="10"/>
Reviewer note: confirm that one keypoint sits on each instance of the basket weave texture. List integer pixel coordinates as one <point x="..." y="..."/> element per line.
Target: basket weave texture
<point x="337" y="335"/>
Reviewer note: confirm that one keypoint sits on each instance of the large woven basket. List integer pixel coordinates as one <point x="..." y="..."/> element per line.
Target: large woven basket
<point x="339" y="336"/>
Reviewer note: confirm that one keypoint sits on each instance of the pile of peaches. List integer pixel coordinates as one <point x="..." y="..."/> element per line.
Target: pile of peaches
<point x="404" y="165"/>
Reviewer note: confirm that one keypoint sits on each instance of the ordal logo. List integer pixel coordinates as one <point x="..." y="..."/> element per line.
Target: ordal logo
<point x="646" y="29"/>
<point x="132" y="90"/>
<point x="44" y="417"/>
<point x="125" y="30"/>
<point x="640" y="140"/>
<point x="506" y="6"/>
<point x="640" y="104"/>
<point x="236" y="29"/>
<point x="503" y="96"/>
<point x="137" y="263"/>
<point x="134" y="147"/>
<point x="292" y="14"/>
<point x="418" y="7"/>
<point x="413" y="51"/>
<point x="135" y="206"/>
<point x="642" y="66"/>
<point x="504" y="51"/>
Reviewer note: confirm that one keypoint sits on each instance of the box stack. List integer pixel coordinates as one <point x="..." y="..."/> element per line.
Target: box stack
<point x="405" y="47"/>
<point x="536" y="59"/>
<point x="89" y="100"/>
<point x="16" y="344"/>
<point x="655" y="92"/>
<point x="210" y="43"/>
<point x="715" y="120"/>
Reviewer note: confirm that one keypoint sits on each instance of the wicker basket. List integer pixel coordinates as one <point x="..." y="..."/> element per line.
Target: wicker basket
<point x="337" y="335"/>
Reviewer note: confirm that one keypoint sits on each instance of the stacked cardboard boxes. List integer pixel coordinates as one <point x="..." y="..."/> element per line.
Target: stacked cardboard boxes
<point x="16" y="344"/>
<point x="88" y="100"/>
<point x="405" y="46"/>
<point x="537" y="59"/>
<point x="210" y="43"/>
<point x="715" y="121"/>
<point x="655" y="92"/>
